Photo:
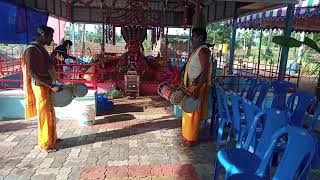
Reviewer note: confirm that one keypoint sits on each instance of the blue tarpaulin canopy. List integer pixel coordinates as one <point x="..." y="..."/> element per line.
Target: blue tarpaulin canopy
<point x="19" y="24"/>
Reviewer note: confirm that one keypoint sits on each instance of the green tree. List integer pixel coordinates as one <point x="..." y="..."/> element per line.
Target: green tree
<point x="147" y="43"/>
<point x="218" y="33"/>
<point x="67" y="33"/>
<point x="96" y="35"/>
<point x="119" y="38"/>
<point x="249" y="41"/>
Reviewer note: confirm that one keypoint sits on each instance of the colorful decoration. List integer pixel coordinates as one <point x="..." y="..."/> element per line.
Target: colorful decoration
<point x="140" y="12"/>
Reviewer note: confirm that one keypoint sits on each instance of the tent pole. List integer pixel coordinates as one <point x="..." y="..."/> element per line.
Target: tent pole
<point x="259" y="55"/>
<point x="287" y="33"/>
<point x="233" y="41"/>
<point x="73" y="34"/>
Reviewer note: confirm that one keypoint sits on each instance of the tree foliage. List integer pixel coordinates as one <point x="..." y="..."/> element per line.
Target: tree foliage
<point x="218" y="33"/>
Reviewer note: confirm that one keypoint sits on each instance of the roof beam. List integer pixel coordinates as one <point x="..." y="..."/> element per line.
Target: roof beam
<point x="265" y="1"/>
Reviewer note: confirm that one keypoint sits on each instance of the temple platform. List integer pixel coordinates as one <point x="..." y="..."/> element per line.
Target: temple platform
<point x="12" y="105"/>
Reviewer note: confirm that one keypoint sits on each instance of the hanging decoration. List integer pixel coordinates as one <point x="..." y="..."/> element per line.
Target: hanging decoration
<point x="107" y="33"/>
<point x="140" y="12"/>
<point x="153" y="36"/>
<point x="85" y="2"/>
<point x="134" y="34"/>
<point x="185" y="16"/>
<point x="113" y="35"/>
<point x="68" y="9"/>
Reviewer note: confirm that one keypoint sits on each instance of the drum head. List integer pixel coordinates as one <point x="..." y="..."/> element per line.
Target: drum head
<point x="189" y="105"/>
<point x="79" y="89"/>
<point x="63" y="98"/>
<point x="176" y="97"/>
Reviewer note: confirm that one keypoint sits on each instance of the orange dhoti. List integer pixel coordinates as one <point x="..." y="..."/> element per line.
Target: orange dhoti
<point x="47" y="134"/>
<point x="38" y="102"/>
<point x="191" y="121"/>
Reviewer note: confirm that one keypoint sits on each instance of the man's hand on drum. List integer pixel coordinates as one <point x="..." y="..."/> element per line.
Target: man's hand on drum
<point x="56" y="89"/>
<point x="196" y="92"/>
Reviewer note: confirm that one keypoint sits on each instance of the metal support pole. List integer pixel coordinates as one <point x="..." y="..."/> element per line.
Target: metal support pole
<point x="259" y="55"/>
<point x="233" y="41"/>
<point x="73" y="34"/>
<point x="285" y="50"/>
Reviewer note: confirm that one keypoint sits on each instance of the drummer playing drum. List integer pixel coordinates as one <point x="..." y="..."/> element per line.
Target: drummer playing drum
<point x="37" y="81"/>
<point x="196" y="79"/>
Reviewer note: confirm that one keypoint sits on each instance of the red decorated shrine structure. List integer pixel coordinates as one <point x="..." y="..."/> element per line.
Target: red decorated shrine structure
<point x="135" y="17"/>
<point x="114" y="71"/>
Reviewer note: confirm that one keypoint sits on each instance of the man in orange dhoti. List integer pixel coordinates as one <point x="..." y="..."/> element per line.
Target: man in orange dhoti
<point x="38" y="77"/>
<point x="196" y="80"/>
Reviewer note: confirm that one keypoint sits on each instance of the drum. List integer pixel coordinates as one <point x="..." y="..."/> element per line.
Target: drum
<point x="62" y="98"/>
<point x="164" y="90"/>
<point x="79" y="89"/>
<point x="176" y="97"/>
<point x="189" y="104"/>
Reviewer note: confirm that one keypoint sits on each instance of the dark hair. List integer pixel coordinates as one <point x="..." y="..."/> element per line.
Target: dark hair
<point x="43" y="29"/>
<point x="67" y="42"/>
<point x="200" y="32"/>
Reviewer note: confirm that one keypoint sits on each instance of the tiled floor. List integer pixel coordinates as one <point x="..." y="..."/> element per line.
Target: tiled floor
<point x="139" y="139"/>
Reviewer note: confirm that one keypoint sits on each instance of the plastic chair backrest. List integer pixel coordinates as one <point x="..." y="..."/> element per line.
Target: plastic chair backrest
<point x="250" y="110"/>
<point x="223" y="109"/>
<point x="298" y="104"/>
<point x="251" y="83"/>
<point x="231" y="83"/>
<point x="299" y="151"/>
<point x="315" y="119"/>
<point x="236" y="124"/>
<point x="280" y="90"/>
<point x="262" y="88"/>
<point x="274" y="120"/>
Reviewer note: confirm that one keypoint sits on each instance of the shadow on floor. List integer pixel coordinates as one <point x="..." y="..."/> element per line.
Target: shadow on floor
<point x="156" y="124"/>
<point x="8" y="127"/>
<point x="124" y="108"/>
<point x="115" y="118"/>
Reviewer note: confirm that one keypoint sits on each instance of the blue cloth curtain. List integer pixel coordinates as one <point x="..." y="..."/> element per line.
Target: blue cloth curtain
<point x="19" y="24"/>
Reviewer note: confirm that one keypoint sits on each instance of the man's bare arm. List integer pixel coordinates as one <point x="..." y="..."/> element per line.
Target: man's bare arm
<point x="31" y="55"/>
<point x="204" y="56"/>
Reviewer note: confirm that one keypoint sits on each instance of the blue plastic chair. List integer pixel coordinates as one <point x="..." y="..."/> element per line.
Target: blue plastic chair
<point x="315" y="119"/>
<point x="295" y="161"/>
<point x="280" y="90"/>
<point x="262" y="88"/>
<point x="243" y="113"/>
<point x="250" y="110"/>
<point x="252" y="82"/>
<point x="241" y="160"/>
<point x="237" y="130"/>
<point x="223" y="117"/>
<point x="298" y="104"/>
<point x="315" y="164"/>
<point x="231" y="83"/>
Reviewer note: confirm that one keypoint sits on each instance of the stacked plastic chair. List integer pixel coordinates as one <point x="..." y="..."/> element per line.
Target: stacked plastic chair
<point x="295" y="161"/>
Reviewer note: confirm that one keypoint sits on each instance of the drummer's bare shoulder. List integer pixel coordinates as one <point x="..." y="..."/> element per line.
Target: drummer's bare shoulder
<point x="204" y="54"/>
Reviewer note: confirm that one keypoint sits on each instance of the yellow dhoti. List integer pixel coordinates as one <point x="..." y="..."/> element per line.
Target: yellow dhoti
<point x="47" y="134"/>
<point x="38" y="102"/>
<point x="191" y="121"/>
